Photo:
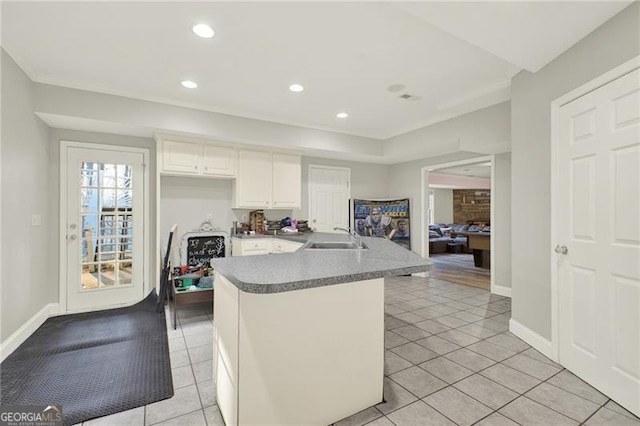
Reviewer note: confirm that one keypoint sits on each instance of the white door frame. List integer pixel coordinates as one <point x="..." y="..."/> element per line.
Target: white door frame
<point x="146" y="285"/>
<point x="423" y="211"/>
<point x="590" y="86"/>
<point x="322" y="166"/>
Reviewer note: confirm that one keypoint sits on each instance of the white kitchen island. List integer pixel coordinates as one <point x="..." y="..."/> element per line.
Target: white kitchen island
<point x="299" y="337"/>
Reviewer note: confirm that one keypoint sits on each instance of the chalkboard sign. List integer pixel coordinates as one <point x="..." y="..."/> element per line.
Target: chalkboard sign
<point x="201" y="247"/>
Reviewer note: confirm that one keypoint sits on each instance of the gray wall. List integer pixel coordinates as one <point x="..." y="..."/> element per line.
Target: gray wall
<point x="442" y="205"/>
<point x="53" y="166"/>
<point x="187" y="201"/>
<point x="481" y="131"/>
<point x="615" y="42"/>
<point x="501" y="227"/>
<point x="118" y="111"/>
<point x="28" y="284"/>
<point x="475" y="130"/>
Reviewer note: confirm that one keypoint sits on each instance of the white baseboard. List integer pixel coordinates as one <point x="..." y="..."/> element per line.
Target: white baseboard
<point x="501" y="291"/>
<point x="535" y="340"/>
<point x="27" y="329"/>
<point x="421" y="274"/>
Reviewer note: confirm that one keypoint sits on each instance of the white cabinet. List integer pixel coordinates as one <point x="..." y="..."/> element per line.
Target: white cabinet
<point x="180" y="157"/>
<point x="252" y="187"/>
<point x="219" y="161"/>
<point x="285" y="339"/>
<point x="196" y="158"/>
<point x="286" y="181"/>
<point x="250" y="246"/>
<point x="262" y="245"/>
<point x="278" y="245"/>
<point x="267" y="180"/>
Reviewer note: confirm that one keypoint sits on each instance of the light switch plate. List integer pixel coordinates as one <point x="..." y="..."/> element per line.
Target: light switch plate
<point x="36" y="220"/>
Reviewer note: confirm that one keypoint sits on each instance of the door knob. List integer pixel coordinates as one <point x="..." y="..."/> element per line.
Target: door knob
<point x="561" y="249"/>
<point x="73" y="237"/>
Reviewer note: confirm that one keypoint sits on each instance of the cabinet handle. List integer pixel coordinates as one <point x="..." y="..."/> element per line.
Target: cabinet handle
<point x="206" y="168"/>
<point x="195" y="167"/>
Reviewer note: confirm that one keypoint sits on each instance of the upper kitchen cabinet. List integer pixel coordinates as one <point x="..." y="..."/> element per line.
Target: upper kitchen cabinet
<point x="219" y="161"/>
<point x="180" y="157"/>
<point x="287" y="181"/>
<point x="252" y="187"/>
<point x="267" y="180"/>
<point x="196" y="158"/>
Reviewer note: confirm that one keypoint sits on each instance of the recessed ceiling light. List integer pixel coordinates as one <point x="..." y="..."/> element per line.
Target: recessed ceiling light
<point x="396" y="87"/>
<point x="342" y="115"/>
<point x="203" y="30"/>
<point x="296" y="88"/>
<point x="189" y="84"/>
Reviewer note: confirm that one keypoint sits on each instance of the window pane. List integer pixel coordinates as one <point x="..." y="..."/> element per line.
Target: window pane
<point x="89" y="276"/>
<point x="107" y="274"/>
<point x="89" y="199"/>
<point x="89" y="236"/>
<point x="89" y="174"/>
<point x="108" y="175"/>
<point x="125" y="270"/>
<point x="125" y="198"/>
<point x="124" y="176"/>
<point x="108" y="198"/>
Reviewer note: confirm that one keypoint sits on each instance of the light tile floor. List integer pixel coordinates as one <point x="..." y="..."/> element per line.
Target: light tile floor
<point x="449" y="360"/>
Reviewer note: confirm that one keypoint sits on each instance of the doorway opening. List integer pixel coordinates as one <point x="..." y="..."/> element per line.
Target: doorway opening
<point x="457" y="221"/>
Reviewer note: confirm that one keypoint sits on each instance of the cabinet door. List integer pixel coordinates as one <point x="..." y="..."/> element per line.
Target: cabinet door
<point x="281" y="246"/>
<point x="253" y="180"/>
<point x="287" y="181"/>
<point x="253" y="247"/>
<point x="218" y="161"/>
<point x="236" y="247"/>
<point x="180" y="157"/>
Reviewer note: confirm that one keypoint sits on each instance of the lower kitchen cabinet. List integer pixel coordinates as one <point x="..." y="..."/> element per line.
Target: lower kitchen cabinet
<point x="262" y="245"/>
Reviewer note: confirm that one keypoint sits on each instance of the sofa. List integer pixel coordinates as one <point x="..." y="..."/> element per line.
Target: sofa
<point x="441" y="234"/>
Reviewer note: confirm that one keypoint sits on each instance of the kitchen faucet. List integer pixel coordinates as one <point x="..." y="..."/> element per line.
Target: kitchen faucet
<point x="356" y="237"/>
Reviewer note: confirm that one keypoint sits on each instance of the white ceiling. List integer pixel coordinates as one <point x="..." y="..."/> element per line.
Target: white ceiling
<point x="456" y="57"/>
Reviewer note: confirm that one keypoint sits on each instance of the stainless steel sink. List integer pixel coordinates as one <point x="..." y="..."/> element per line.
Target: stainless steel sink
<point x="333" y="245"/>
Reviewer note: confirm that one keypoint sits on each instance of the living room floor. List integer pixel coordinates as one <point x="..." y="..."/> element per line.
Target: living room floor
<point x="449" y="360"/>
<point x="459" y="268"/>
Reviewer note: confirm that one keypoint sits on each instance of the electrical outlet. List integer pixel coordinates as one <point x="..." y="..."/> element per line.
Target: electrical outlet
<point x="36" y="220"/>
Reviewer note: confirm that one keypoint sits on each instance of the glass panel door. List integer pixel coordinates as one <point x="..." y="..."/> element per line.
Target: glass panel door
<point x="104" y="227"/>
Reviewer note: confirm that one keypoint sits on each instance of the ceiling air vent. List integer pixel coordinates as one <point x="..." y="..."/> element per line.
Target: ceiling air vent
<point x="409" y="97"/>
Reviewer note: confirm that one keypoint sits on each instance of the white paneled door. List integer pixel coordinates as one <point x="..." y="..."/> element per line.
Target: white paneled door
<point x="103" y="228"/>
<point x="329" y="195"/>
<point x="599" y="238"/>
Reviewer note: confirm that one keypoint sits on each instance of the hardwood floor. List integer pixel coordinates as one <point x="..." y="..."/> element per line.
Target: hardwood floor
<point x="459" y="268"/>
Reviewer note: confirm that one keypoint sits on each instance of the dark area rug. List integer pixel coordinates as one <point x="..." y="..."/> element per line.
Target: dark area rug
<point x="92" y="364"/>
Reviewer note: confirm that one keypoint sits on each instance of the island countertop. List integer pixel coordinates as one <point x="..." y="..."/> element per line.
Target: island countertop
<point x="309" y="268"/>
